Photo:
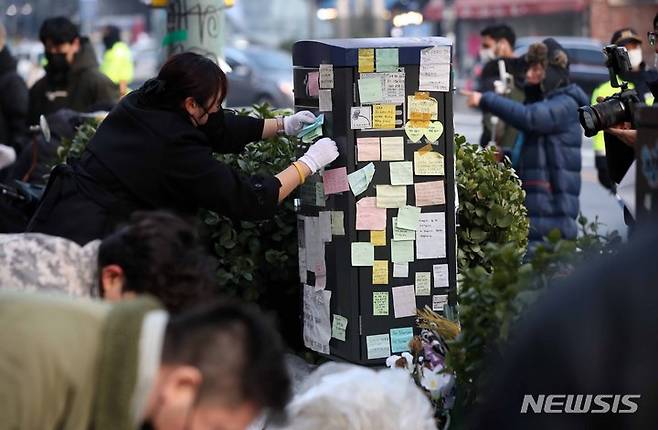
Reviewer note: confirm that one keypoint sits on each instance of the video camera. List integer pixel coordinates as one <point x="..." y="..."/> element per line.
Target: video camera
<point x="617" y="108"/>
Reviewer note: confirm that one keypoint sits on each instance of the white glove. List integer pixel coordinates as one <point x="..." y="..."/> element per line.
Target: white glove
<point x="321" y="153"/>
<point x="294" y="123"/>
<point x="7" y="156"/>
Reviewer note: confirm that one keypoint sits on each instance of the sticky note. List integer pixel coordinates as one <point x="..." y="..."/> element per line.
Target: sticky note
<point x="434" y="71"/>
<point x="324" y="225"/>
<point x="363" y="254"/>
<point x="439" y="302"/>
<point x="402" y="173"/>
<point x="402" y="233"/>
<point x="422" y="109"/>
<point x="337" y="223"/>
<point x="393" y="88"/>
<point x="386" y="59"/>
<point x="327" y="76"/>
<point x="414" y="132"/>
<point x="370" y="90"/>
<point x="339" y="327"/>
<point x="324" y="101"/>
<point x="319" y="194"/>
<point x="366" y="60"/>
<point x="391" y="196"/>
<point x="400" y="338"/>
<point x="400" y="270"/>
<point x="429" y="193"/>
<point x="360" y="117"/>
<point x="431" y="236"/>
<point x="441" y="278"/>
<point x="380" y="303"/>
<point x="428" y="164"/>
<point x="378" y="237"/>
<point x="383" y="116"/>
<point x="369" y="216"/>
<point x="378" y="346"/>
<point x="404" y="301"/>
<point x="360" y="180"/>
<point x="423" y="283"/>
<point x="312" y="84"/>
<point x="380" y="272"/>
<point x="407" y="218"/>
<point x="392" y="148"/>
<point x="367" y="149"/>
<point x="402" y="251"/>
<point x="434" y="131"/>
<point x="335" y="181"/>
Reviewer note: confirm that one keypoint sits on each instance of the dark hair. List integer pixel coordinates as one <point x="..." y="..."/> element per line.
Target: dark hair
<point x="238" y="352"/>
<point x="160" y="255"/>
<point x="191" y="75"/>
<point x="58" y="30"/>
<point x="500" y="31"/>
<point x="111" y="35"/>
<point x="655" y="21"/>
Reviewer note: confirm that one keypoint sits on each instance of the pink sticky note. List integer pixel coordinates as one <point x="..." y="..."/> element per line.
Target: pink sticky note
<point x="430" y="193"/>
<point x="369" y="216"/>
<point x="313" y="84"/>
<point x="367" y="149"/>
<point x="335" y="181"/>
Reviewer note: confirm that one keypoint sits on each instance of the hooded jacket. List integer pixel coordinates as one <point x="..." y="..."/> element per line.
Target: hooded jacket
<point x="13" y="103"/>
<point x="85" y="87"/>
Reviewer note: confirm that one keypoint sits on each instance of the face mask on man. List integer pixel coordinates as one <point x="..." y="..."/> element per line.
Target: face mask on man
<point x="635" y="57"/>
<point x="57" y="63"/>
<point x="487" y="54"/>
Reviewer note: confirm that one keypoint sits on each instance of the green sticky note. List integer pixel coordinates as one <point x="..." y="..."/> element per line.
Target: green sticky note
<point x="400" y="338"/>
<point x="360" y="179"/>
<point x="378" y="346"/>
<point x="402" y="173"/>
<point x="337" y="223"/>
<point x="402" y="251"/>
<point x="408" y="217"/>
<point x="370" y="90"/>
<point x="363" y="254"/>
<point x="339" y="327"/>
<point x="386" y="59"/>
<point x="380" y="303"/>
<point x="401" y="233"/>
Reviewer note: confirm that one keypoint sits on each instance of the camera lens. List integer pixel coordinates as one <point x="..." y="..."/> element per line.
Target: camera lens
<point x="603" y="115"/>
<point x="588" y="120"/>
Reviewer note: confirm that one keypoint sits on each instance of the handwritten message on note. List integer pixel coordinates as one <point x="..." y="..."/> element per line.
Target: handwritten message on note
<point x="430" y="193"/>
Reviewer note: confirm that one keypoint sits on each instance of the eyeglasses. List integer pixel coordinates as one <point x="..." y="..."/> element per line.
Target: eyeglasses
<point x="652" y="35"/>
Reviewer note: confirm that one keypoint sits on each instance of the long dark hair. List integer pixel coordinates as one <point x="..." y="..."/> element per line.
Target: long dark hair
<point x="188" y="75"/>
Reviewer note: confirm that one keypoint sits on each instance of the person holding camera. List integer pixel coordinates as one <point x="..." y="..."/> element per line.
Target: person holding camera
<point x="547" y="154"/>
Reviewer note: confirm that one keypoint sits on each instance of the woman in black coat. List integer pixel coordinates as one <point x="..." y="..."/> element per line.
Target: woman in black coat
<point x="154" y="151"/>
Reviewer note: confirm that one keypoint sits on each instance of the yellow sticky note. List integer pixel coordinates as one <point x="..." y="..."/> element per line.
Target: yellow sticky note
<point x="391" y="196"/>
<point x="378" y="237"/>
<point x="366" y="60"/>
<point x="422" y="109"/>
<point x="383" y="116"/>
<point x="428" y="164"/>
<point x="392" y="148"/>
<point x="380" y="272"/>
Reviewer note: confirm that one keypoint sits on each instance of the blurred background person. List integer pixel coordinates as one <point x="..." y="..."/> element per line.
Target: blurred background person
<point x="72" y="77"/>
<point x="117" y="59"/>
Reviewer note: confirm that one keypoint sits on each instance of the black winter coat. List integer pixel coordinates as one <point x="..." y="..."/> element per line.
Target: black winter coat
<point x="144" y="158"/>
<point x="13" y="104"/>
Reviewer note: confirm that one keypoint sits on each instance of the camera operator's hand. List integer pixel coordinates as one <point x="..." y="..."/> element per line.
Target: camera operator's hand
<point x="472" y="98"/>
<point x="624" y="133"/>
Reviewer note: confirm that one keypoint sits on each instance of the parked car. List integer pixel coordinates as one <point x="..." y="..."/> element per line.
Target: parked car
<point x="258" y="75"/>
<point x="586" y="58"/>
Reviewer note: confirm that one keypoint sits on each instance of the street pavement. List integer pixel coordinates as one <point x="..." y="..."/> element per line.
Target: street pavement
<point x="595" y="201"/>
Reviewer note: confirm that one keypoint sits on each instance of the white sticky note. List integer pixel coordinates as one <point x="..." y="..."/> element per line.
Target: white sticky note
<point x="400" y="270"/>
<point x="360" y="117"/>
<point x="402" y="173"/>
<point x="423" y="283"/>
<point x="339" y="327"/>
<point x="439" y="302"/>
<point x="324" y="101"/>
<point x="378" y="346"/>
<point x="434" y="74"/>
<point x="404" y="301"/>
<point x="317" y="320"/>
<point x="441" y="278"/>
<point x="327" y="76"/>
<point x="431" y="236"/>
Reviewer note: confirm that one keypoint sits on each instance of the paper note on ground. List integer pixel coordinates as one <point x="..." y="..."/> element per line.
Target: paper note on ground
<point x="386" y="59"/>
<point x="431" y="236"/>
<point x="402" y="233"/>
<point x="360" y="117"/>
<point x="404" y="301"/>
<point x="370" y="90"/>
<point x="324" y="101"/>
<point x="317" y="320"/>
<point x="434" y="74"/>
<point x="402" y="173"/>
<point x="360" y="179"/>
<point x="383" y="116"/>
<point x="378" y="237"/>
<point x="366" y="60"/>
<point x="402" y="251"/>
<point x="327" y="76"/>
<point x="378" y="346"/>
<point x="400" y="338"/>
<point x="392" y="148"/>
<point x="339" y="327"/>
<point x="337" y="223"/>
<point x="407" y="218"/>
<point x="380" y="272"/>
<point x="391" y="196"/>
<point x="312" y="84"/>
<point x="335" y="181"/>
<point x="441" y="279"/>
<point x="430" y="193"/>
<point x="367" y="149"/>
<point x="428" y="164"/>
<point x="439" y="302"/>
<point x="363" y="254"/>
<point x="380" y="303"/>
<point x="369" y="216"/>
<point x="423" y="283"/>
<point x="400" y="270"/>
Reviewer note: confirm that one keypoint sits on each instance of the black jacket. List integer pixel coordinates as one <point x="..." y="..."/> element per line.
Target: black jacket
<point x="13" y="103"/>
<point x="85" y="87"/>
<point x="143" y="158"/>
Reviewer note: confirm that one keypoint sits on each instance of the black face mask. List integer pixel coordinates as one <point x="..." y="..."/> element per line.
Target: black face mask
<point x="533" y="93"/>
<point x="57" y="67"/>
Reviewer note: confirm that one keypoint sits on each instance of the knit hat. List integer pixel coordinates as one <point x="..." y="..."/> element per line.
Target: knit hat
<point x="624" y="36"/>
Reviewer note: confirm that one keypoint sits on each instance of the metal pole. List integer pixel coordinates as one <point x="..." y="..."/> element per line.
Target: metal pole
<point x="197" y="26"/>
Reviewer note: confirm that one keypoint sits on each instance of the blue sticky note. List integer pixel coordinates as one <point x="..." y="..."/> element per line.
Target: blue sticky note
<point x="400" y="338"/>
<point x="309" y="128"/>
